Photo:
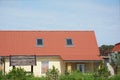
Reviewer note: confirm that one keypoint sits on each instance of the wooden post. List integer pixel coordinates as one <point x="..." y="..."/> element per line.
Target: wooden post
<point x="31" y="69"/>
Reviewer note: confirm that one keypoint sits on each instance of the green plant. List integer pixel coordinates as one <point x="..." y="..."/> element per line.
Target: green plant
<point x="115" y="61"/>
<point x="76" y="75"/>
<point x="52" y="74"/>
<point x="30" y="77"/>
<point x="17" y="74"/>
<point x="2" y="76"/>
<point x="116" y="77"/>
<point x="102" y="72"/>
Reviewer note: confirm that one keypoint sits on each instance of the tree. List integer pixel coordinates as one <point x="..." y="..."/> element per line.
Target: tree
<point x="105" y="49"/>
<point x="115" y="61"/>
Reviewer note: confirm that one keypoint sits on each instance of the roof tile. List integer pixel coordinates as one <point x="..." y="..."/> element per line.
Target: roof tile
<point x="24" y="43"/>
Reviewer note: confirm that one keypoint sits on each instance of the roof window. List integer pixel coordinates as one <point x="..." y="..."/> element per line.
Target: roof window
<point x="69" y="42"/>
<point x="39" y="42"/>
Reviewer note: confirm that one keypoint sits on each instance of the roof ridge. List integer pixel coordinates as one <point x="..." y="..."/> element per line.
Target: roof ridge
<point x="47" y="30"/>
<point x="117" y="43"/>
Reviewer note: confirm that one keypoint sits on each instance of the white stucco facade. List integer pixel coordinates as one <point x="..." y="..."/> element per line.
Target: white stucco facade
<point x="53" y="61"/>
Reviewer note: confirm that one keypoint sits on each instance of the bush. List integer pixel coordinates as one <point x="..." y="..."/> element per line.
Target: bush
<point x="101" y="73"/>
<point x="117" y="77"/>
<point x="20" y="74"/>
<point x="30" y="77"/>
<point x="77" y="75"/>
<point x="52" y="74"/>
<point x="2" y="76"/>
<point x="17" y="74"/>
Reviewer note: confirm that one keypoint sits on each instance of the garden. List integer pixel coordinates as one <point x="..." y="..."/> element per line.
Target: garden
<point x="53" y="74"/>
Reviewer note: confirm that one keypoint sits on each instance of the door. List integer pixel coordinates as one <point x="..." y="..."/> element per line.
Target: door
<point x="81" y="67"/>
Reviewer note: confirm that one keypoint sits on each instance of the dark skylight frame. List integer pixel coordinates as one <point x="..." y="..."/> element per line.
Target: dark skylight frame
<point x="69" y="42"/>
<point x="39" y="42"/>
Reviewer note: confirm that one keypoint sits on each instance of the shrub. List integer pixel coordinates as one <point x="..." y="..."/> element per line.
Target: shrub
<point x="2" y="76"/>
<point x="116" y="77"/>
<point x="88" y="76"/>
<point x="77" y="75"/>
<point x="52" y="74"/>
<point x="30" y="77"/>
<point x="101" y="73"/>
<point x="20" y="74"/>
<point x="16" y="74"/>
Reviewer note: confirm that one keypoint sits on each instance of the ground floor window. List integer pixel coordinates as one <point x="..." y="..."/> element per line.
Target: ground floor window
<point x="81" y="67"/>
<point x="44" y="66"/>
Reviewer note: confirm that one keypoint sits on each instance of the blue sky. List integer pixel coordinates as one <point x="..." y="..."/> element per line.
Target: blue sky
<point x="102" y="16"/>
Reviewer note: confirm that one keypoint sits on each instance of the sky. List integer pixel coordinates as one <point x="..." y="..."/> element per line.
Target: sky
<point x="101" y="16"/>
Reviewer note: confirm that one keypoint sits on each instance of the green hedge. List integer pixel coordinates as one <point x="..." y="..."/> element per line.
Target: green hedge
<point x="76" y="75"/>
<point x="53" y="74"/>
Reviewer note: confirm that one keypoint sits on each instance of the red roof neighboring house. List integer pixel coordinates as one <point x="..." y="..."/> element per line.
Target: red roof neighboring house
<point x="84" y="44"/>
<point x="116" y="48"/>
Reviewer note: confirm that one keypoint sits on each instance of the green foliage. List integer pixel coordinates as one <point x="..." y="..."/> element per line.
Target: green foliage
<point x="115" y="61"/>
<point x="31" y="77"/>
<point x="117" y="77"/>
<point x="2" y="76"/>
<point x="77" y="75"/>
<point x="101" y="73"/>
<point x="17" y="74"/>
<point x="115" y="58"/>
<point x="52" y="74"/>
<point x="20" y="74"/>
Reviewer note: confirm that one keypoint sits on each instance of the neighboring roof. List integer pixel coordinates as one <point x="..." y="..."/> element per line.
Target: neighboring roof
<point x="24" y="43"/>
<point x="116" y="48"/>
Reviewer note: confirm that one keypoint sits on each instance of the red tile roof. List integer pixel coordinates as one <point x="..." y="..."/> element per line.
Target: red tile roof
<point x="24" y="43"/>
<point x="116" y="48"/>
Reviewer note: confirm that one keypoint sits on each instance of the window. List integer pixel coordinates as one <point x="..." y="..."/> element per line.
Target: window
<point x="44" y="67"/>
<point x="81" y="67"/>
<point x="69" y="42"/>
<point x="39" y="42"/>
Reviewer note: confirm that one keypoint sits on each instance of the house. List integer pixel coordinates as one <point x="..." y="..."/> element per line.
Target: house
<point x="37" y="51"/>
<point x="108" y="59"/>
<point x="116" y="48"/>
<point x="115" y="57"/>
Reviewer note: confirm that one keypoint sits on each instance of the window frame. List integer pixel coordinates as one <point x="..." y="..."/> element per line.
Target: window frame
<point x="39" y="44"/>
<point x="71" y="45"/>
<point x="82" y="67"/>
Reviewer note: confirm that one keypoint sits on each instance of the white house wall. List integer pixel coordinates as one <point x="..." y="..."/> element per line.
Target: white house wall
<point x="53" y="61"/>
<point x="7" y="65"/>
